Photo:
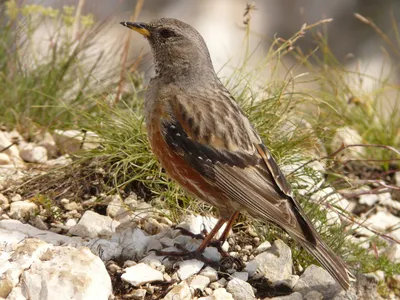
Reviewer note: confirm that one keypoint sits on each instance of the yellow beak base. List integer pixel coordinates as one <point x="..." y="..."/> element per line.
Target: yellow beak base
<point x="141" y="28"/>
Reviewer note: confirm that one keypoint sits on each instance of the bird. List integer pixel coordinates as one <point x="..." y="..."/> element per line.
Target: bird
<point x="206" y="143"/>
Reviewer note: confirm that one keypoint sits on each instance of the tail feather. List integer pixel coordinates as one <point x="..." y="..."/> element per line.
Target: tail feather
<point x="329" y="260"/>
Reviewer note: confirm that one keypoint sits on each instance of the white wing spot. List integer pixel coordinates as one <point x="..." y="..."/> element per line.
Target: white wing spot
<point x="178" y="134"/>
<point x="208" y="160"/>
<point x="200" y="158"/>
<point x="172" y="126"/>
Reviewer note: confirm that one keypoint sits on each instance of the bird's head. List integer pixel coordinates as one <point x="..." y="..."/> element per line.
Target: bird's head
<point x="176" y="46"/>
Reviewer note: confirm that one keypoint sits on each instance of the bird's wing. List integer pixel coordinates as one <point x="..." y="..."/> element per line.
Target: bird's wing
<point x="248" y="174"/>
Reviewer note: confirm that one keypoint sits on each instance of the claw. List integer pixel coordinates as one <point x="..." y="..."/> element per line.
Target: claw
<point x="199" y="236"/>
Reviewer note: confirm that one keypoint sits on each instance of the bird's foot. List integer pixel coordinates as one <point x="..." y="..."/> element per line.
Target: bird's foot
<point x="198" y="236"/>
<point x="185" y="254"/>
<point x="201" y="236"/>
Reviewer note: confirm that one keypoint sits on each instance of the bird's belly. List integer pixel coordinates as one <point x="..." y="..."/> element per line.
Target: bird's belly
<point x="179" y="170"/>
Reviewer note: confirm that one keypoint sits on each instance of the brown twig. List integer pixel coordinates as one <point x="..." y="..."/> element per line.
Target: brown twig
<point x="378" y="31"/>
<point x="8" y="147"/>
<point x="359" y="223"/>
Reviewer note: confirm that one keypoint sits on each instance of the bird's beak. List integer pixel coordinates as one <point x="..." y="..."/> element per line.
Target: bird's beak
<point x="142" y="28"/>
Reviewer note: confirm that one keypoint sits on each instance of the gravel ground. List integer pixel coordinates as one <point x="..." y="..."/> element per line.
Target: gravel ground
<point x="104" y="246"/>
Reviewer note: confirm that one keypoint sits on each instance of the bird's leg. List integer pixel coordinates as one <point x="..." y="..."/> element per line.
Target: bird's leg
<point x="198" y="252"/>
<point x="218" y="243"/>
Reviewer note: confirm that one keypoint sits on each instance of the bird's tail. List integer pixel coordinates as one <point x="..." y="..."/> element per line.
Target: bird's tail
<point x="328" y="259"/>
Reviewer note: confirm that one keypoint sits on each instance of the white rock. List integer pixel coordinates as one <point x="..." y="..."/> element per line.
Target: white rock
<point x="240" y="289"/>
<point x="138" y="294"/>
<point x="153" y="244"/>
<point x="263" y="246"/>
<point x="93" y="225"/>
<point x="313" y="295"/>
<point x="189" y="267"/>
<point x="331" y="196"/>
<point x="293" y="296"/>
<point x="167" y="242"/>
<point x="316" y="278"/>
<point x="274" y="264"/>
<point x="72" y="206"/>
<point x="55" y="272"/>
<point x="222" y="294"/>
<point x="180" y="291"/>
<point x="132" y="241"/>
<point x="60" y="161"/>
<point x="49" y="143"/>
<point x="25" y="230"/>
<point x="71" y="223"/>
<point x="393" y="253"/>
<point x="289" y="282"/>
<point x="70" y="141"/>
<point x="4" y="202"/>
<point x="212" y="253"/>
<point x="196" y="224"/>
<point x="348" y="136"/>
<point x="15" y="198"/>
<point x="241" y="275"/>
<point x="305" y="184"/>
<point x="4" y="159"/>
<point x="105" y="249"/>
<point x="384" y="221"/>
<point x="368" y="199"/>
<point x="12" y="152"/>
<point x="33" y="154"/>
<point x="140" y="274"/>
<point x="397" y="178"/>
<point x="116" y="206"/>
<point x="8" y="238"/>
<point x="199" y="282"/>
<point x="386" y="200"/>
<point x="332" y="217"/>
<point x="21" y="210"/>
<point x="152" y="226"/>
<point x="210" y="272"/>
<point x="384" y="197"/>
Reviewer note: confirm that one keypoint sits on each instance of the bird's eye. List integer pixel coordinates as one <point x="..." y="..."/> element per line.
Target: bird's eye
<point x="166" y="33"/>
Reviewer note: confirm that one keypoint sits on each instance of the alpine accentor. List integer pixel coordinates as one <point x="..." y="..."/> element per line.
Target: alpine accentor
<point x="206" y="143"/>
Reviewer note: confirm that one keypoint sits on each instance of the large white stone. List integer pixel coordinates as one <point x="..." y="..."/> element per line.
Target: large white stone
<point x="274" y="264"/>
<point x="316" y="278"/>
<point x="33" y="154"/>
<point x="180" y="291"/>
<point x="21" y="210"/>
<point x="199" y="282"/>
<point x="12" y="151"/>
<point x="222" y="294"/>
<point x="47" y="141"/>
<point x="94" y="225"/>
<point x="368" y="199"/>
<point x="49" y="272"/>
<point x="189" y="267"/>
<point x="70" y="141"/>
<point x="348" y="136"/>
<point x="210" y="272"/>
<point x="240" y="289"/>
<point x="140" y="274"/>
<point x="17" y="231"/>
<point x="384" y="221"/>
